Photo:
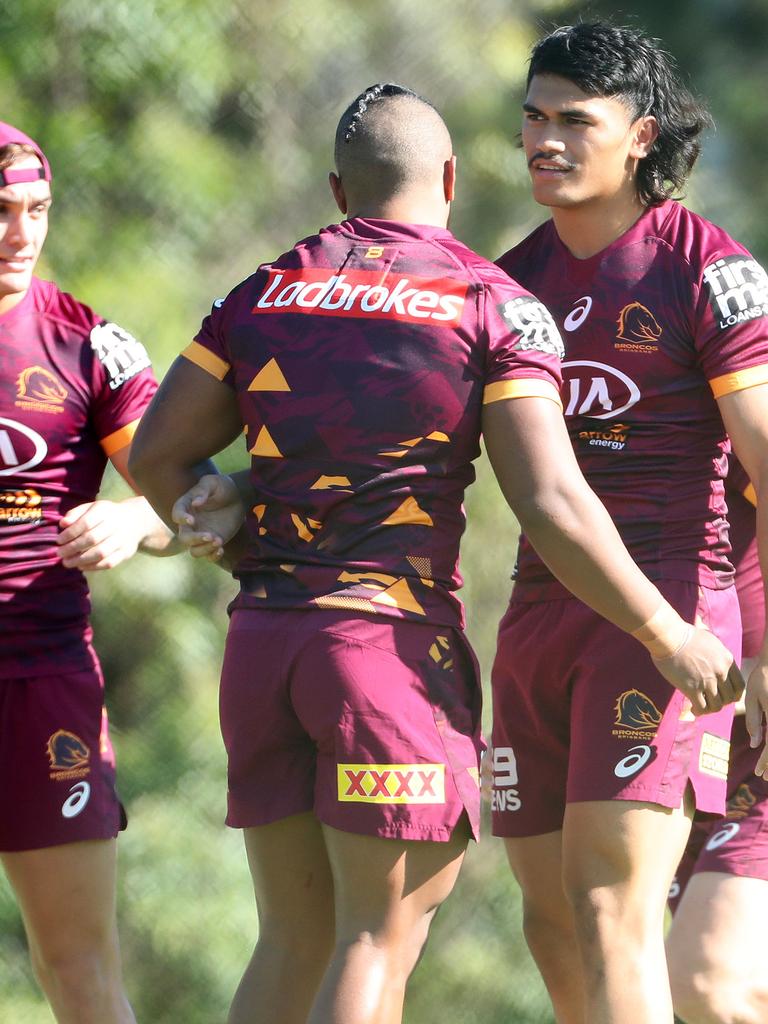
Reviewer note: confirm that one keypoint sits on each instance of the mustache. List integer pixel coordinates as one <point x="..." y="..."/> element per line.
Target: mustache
<point x="551" y="158"/>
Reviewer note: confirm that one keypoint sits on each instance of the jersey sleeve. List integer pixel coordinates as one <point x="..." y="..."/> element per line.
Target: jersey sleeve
<point x="209" y="349"/>
<point x="524" y="346"/>
<point x="123" y="385"/>
<point x="731" y="330"/>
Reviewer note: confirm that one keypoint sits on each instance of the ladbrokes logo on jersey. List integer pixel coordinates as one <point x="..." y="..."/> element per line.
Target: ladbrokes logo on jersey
<point x="638" y="329"/>
<point x="363" y="293"/>
<point x="19" y="507"/>
<point x="39" y="389"/>
<point x="738" y="290"/>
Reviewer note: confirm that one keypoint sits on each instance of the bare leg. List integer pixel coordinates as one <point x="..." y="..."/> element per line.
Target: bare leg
<point x="619" y="858"/>
<point x="67" y="899"/>
<point x="715" y="951"/>
<point x="387" y="892"/>
<point x="294" y="894"/>
<point x="548" y="922"/>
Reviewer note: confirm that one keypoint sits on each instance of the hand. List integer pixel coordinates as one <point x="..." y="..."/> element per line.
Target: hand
<point x="208" y="515"/>
<point x="101" y="534"/>
<point x="757" y="713"/>
<point x="704" y="670"/>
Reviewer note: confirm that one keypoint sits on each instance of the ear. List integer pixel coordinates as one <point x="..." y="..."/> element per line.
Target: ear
<point x="449" y="179"/>
<point x="338" y="191"/>
<point x="645" y="131"/>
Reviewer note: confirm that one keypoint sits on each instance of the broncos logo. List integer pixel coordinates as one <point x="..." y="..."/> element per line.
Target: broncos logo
<point x="742" y="801"/>
<point x="637" y="323"/>
<point x="37" y="384"/>
<point x="637" y="712"/>
<point x="67" y="751"/>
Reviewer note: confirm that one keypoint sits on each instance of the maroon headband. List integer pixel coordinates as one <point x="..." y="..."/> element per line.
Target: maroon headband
<point x="12" y="175"/>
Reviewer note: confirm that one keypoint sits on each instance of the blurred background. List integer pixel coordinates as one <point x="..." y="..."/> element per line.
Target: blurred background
<point x="190" y="141"/>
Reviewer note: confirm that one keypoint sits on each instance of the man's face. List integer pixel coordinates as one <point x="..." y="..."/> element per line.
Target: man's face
<point x="580" y="149"/>
<point x="23" y="227"/>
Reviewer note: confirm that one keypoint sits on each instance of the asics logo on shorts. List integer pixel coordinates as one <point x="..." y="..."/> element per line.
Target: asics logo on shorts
<point x="364" y="293"/>
<point x="723" y="835"/>
<point x="391" y="783"/>
<point x="78" y="797"/>
<point x="636" y="759"/>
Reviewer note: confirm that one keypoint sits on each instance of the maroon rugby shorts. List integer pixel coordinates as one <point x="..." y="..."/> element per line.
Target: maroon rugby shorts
<point x="372" y="724"/>
<point x="737" y="844"/>
<point x="581" y="713"/>
<point x="56" y="762"/>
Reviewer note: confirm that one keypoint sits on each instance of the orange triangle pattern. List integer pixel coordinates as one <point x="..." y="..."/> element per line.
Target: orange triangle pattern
<point x="265" y="446"/>
<point x="269" y="378"/>
<point x="399" y="595"/>
<point x="410" y="512"/>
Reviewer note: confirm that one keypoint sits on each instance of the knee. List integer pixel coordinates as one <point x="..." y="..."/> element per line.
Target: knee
<point x="298" y="939"/>
<point x="548" y="933"/>
<point x="78" y="975"/>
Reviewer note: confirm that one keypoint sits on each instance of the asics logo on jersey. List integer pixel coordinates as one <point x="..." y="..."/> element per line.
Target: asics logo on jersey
<point x="639" y="328"/>
<point x="578" y="314"/>
<point x="723" y="835"/>
<point x="363" y="293"/>
<point x="738" y="290"/>
<point x="597" y="390"/>
<point x="21" y="447"/>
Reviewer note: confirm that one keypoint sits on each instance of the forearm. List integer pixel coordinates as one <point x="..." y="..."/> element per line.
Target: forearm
<point x="576" y="538"/>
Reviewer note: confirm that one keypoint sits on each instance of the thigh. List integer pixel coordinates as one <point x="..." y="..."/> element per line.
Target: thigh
<point x="66" y="895"/>
<point x="394" y="710"/>
<point x="56" y="762"/>
<point x="290" y="871"/>
<point x="537" y="863"/>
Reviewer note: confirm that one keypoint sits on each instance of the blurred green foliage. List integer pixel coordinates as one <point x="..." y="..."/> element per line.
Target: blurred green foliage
<point x="190" y="141"/>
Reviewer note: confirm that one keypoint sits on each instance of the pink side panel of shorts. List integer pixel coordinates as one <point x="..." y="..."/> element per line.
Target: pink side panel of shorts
<point x="56" y="762"/>
<point x="372" y="725"/>
<point x="581" y="713"/>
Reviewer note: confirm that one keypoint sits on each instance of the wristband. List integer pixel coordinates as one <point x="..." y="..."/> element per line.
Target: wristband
<point x="665" y="634"/>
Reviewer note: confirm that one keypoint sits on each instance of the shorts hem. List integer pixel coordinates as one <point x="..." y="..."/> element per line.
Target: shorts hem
<point x="16" y="847"/>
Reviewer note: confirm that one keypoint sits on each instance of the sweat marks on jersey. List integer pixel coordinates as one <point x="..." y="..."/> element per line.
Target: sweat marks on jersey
<point x="532" y="321"/>
<point x="737" y="288"/>
<point x="20" y="507"/>
<point x="121" y="355"/>
<point x="41" y="390"/>
<point x="614" y="437"/>
<point x="638" y="329"/>
<point x="637" y="717"/>
<point x="68" y="756"/>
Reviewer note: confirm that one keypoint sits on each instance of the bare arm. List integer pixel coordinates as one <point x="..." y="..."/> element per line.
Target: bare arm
<point x="745" y="415"/>
<point x="191" y="418"/>
<point x="531" y="454"/>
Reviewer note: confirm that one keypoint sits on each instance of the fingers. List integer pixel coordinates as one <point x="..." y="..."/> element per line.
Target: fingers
<point x="201" y="544"/>
<point x="733" y="686"/>
<point x="761" y="768"/>
<point x="196" y="497"/>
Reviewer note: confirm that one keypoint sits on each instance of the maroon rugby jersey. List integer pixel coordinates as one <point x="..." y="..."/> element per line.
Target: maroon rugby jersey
<point x="361" y="360"/>
<point x="740" y="495"/>
<point x="72" y="389"/>
<point x="666" y="319"/>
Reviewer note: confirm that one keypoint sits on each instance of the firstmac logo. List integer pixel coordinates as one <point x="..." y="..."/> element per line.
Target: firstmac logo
<point x="738" y="290"/>
<point x="363" y="293"/>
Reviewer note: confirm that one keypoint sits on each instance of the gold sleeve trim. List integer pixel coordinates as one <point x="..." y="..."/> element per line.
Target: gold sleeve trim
<point x="119" y="439"/>
<point x="521" y="388"/>
<point x="751" y="494"/>
<point x="739" y="381"/>
<point x="206" y="360"/>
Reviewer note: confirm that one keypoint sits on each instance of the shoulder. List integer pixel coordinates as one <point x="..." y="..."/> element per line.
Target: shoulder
<point x="514" y="260"/>
<point x="64" y="310"/>
<point x="696" y="240"/>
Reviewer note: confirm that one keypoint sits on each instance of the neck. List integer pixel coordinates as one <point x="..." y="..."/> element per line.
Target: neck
<point x="8" y="302"/>
<point x="404" y="210"/>
<point x="588" y="228"/>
